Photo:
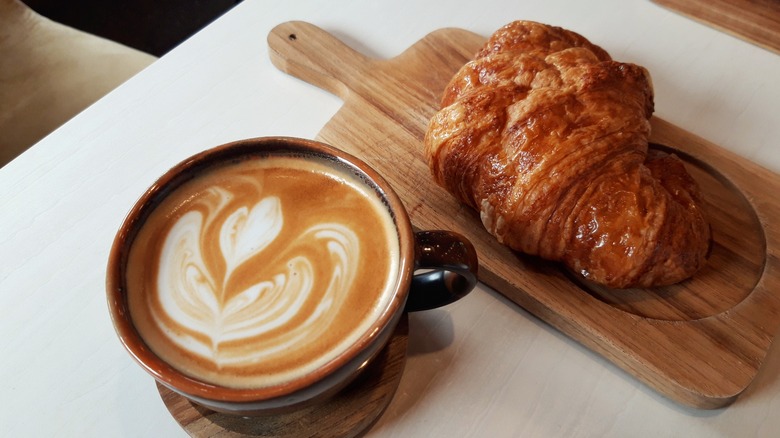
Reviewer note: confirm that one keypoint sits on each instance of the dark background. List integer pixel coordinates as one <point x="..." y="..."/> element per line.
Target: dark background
<point x="154" y="27"/>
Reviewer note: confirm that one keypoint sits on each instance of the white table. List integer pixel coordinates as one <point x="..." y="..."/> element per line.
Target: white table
<point x="480" y="367"/>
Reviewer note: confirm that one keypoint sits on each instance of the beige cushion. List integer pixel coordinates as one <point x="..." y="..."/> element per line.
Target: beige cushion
<point x="50" y="72"/>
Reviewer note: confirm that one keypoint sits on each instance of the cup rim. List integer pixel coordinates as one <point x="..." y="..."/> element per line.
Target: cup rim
<point x="182" y="172"/>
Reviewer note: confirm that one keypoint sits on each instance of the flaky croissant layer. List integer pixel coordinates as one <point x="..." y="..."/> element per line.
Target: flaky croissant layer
<point x="547" y="137"/>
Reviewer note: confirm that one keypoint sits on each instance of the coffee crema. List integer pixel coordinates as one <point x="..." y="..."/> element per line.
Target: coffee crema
<point x="258" y="272"/>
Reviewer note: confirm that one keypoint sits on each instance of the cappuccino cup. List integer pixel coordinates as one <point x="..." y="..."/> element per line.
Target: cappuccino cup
<point x="263" y="275"/>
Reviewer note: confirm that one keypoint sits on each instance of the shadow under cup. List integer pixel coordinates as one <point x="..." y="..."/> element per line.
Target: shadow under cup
<point x="448" y="259"/>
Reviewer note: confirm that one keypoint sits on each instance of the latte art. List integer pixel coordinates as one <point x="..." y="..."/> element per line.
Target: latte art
<point x="261" y="271"/>
<point x="194" y="299"/>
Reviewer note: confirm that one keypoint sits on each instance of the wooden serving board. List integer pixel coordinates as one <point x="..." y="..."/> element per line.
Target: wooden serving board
<point x="700" y="342"/>
<point x="757" y="21"/>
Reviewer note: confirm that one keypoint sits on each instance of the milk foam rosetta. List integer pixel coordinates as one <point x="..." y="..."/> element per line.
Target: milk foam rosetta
<point x="261" y="271"/>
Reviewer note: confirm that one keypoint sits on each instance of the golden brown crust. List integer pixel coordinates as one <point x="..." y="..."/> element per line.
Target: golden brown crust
<point x="546" y="137"/>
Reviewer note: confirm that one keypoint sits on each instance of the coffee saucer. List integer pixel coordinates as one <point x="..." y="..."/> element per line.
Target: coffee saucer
<point x="349" y="413"/>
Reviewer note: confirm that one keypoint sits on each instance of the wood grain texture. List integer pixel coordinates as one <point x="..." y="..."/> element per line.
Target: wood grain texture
<point x="757" y="21"/>
<point x="699" y="343"/>
<point x="349" y="413"/>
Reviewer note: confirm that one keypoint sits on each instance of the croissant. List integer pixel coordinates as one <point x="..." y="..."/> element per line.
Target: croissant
<point x="547" y="138"/>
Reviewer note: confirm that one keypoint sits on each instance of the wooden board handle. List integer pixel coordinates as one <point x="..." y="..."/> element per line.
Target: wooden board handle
<point x="315" y="56"/>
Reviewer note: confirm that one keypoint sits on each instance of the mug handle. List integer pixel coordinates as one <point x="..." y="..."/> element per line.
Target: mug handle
<point x="450" y="261"/>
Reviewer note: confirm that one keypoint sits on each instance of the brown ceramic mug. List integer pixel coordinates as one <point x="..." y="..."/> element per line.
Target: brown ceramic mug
<point x="263" y="275"/>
